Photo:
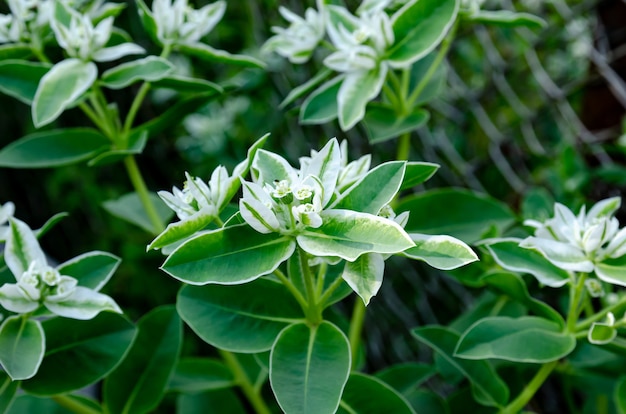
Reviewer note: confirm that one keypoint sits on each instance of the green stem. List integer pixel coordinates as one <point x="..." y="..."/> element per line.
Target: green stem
<point x="530" y="390"/>
<point x="443" y="51"/>
<point x="577" y="289"/>
<point x="291" y="287"/>
<point x="404" y="147"/>
<point x="615" y="308"/>
<point x="142" y="191"/>
<point x="244" y="382"/>
<point x="329" y="291"/>
<point x="313" y="312"/>
<point x="73" y="405"/>
<point x="356" y="326"/>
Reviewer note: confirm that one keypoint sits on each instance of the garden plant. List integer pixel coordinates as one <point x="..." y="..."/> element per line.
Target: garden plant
<point x="270" y="256"/>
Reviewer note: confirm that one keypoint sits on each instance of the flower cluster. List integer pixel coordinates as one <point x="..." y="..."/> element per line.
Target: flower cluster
<point x="581" y="242"/>
<point x="178" y="23"/>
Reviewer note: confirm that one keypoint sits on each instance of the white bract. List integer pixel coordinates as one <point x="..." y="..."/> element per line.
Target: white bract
<point x="297" y="41"/>
<point x="6" y="212"/>
<point x="84" y="41"/>
<point x="178" y="23"/>
<point x="40" y="284"/>
<point x="580" y="242"/>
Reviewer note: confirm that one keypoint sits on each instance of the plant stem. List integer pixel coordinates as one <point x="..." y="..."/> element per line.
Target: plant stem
<point x="404" y="147"/>
<point x="73" y="405"/>
<point x="244" y="382"/>
<point x="142" y="191"/>
<point x="600" y="315"/>
<point x="328" y="292"/>
<point x="294" y="291"/>
<point x="356" y="326"/>
<point x="531" y="388"/>
<point x="313" y="312"/>
<point x="576" y="291"/>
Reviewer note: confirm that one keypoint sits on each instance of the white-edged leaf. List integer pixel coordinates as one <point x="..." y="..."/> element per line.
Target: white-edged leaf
<point x="440" y="251"/>
<point x="325" y="165"/>
<point x="365" y="275"/>
<point x="118" y="51"/>
<point x="64" y="83"/>
<point x="356" y="90"/>
<point x="22" y="346"/>
<point x="150" y="69"/>
<point x="83" y="304"/>
<point x="269" y="167"/>
<point x="563" y="255"/>
<point x="612" y="271"/>
<point x="22" y="248"/>
<point x="92" y="270"/>
<point x="13" y="299"/>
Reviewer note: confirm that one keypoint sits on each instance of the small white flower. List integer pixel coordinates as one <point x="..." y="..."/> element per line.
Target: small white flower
<point x="178" y="23"/>
<point x="297" y="41"/>
<point x="307" y="214"/>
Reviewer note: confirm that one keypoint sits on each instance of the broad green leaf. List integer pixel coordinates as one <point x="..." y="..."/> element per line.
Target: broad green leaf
<point x="239" y="318"/>
<point x="418" y="27"/>
<point x="130" y="208"/>
<point x="513" y="286"/>
<point x="487" y="387"/>
<point x="528" y="339"/>
<point x="138" y="383"/>
<point x="92" y="270"/>
<point x="487" y="304"/>
<point x="8" y="389"/>
<point x="424" y="401"/>
<point x="365" y="275"/>
<point x="26" y="404"/>
<point x="20" y="78"/>
<point x="321" y="105"/>
<point x="181" y="230"/>
<point x="349" y="234"/>
<point x="459" y="213"/>
<point x="382" y="122"/>
<point x="15" y="51"/>
<point x="222" y="401"/>
<point x="374" y="190"/>
<point x="22" y="248"/>
<point x="440" y="252"/>
<point x="510" y="256"/>
<point x="537" y="204"/>
<point x="231" y="255"/>
<point x="305" y="87"/>
<point x="619" y="395"/>
<point x="135" y="145"/>
<point x="207" y="53"/>
<point x="182" y="84"/>
<point x="356" y="90"/>
<point x="406" y="377"/>
<point x="53" y="148"/>
<point x="79" y="353"/>
<point x="508" y="18"/>
<point x="365" y="394"/>
<point x="418" y="172"/>
<point x="612" y="271"/>
<point x="309" y="367"/>
<point x="601" y="333"/>
<point x="64" y="83"/>
<point x="22" y="346"/>
<point x="194" y="375"/>
<point x="148" y="69"/>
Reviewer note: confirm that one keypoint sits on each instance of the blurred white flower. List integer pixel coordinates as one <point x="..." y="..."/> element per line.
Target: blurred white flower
<point x="297" y="41"/>
<point x="178" y="23"/>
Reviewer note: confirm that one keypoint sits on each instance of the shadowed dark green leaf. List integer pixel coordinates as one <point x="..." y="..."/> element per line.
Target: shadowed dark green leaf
<point x="383" y="123"/>
<point x="365" y="394"/>
<point x="20" y="78"/>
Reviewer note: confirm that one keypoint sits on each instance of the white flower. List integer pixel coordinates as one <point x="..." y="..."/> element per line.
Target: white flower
<point x="178" y="23"/>
<point x="6" y="211"/>
<point x="297" y="41"/>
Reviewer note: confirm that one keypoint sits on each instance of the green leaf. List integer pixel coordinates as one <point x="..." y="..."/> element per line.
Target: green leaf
<point x="15" y="51"/>
<point x="135" y="145"/>
<point x="418" y="172"/>
<point x="194" y="375"/>
<point x="238" y="318"/>
<point x="22" y="248"/>
<point x="207" y="53"/>
<point x="231" y="255"/>
<point x="440" y="252"/>
<point x="79" y="353"/>
<point x="181" y="230"/>
<point x="309" y="367"/>
<point x="434" y="86"/>
<point x="365" y="275"/>
<point x="22" y="345"/>
<point x="374" y="190"/>
<point x="510" y="256"/>
<point x="20" y="78"/>
<point x="148" y="69"/>
<point x="222" y="401"/>
<point x="147" y="20"/>
<point x="528" y="339"/>
<point x="513" y="286"/>
<point x="269" y="167"/>
<point x="92" y="270"/>
<point x="321" y="105"/>
<point x="406" y="377"/>
<point x="349" y="234"/>
<point x="49" y="224"/>
<point x="8" y="389"/>
<point x="619" y="395"/>
<point x="356" y="90"/>
<point x="53" y="148"/>
<point x="601" y="333"/>
<point x="508" y="18"/>
<point x="365" y="394"/>
<point x="31" y="404"/>
<point x="487" y="387"/>
<point x="182" y="84"/>
<point x="138" y="383"/>
<point x="459" y="213"/>
<point x="64" y="83"/>
<point x="418" y="27"/>
<point x="612" y="271"/>
<point x="382" y="122"/>
<point x="130" y="208"/>
<point x="305" y="87"/>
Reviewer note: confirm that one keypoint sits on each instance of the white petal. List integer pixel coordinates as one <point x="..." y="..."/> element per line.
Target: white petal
<point x="563" y="255"/>
<point x="115" y="52"/>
